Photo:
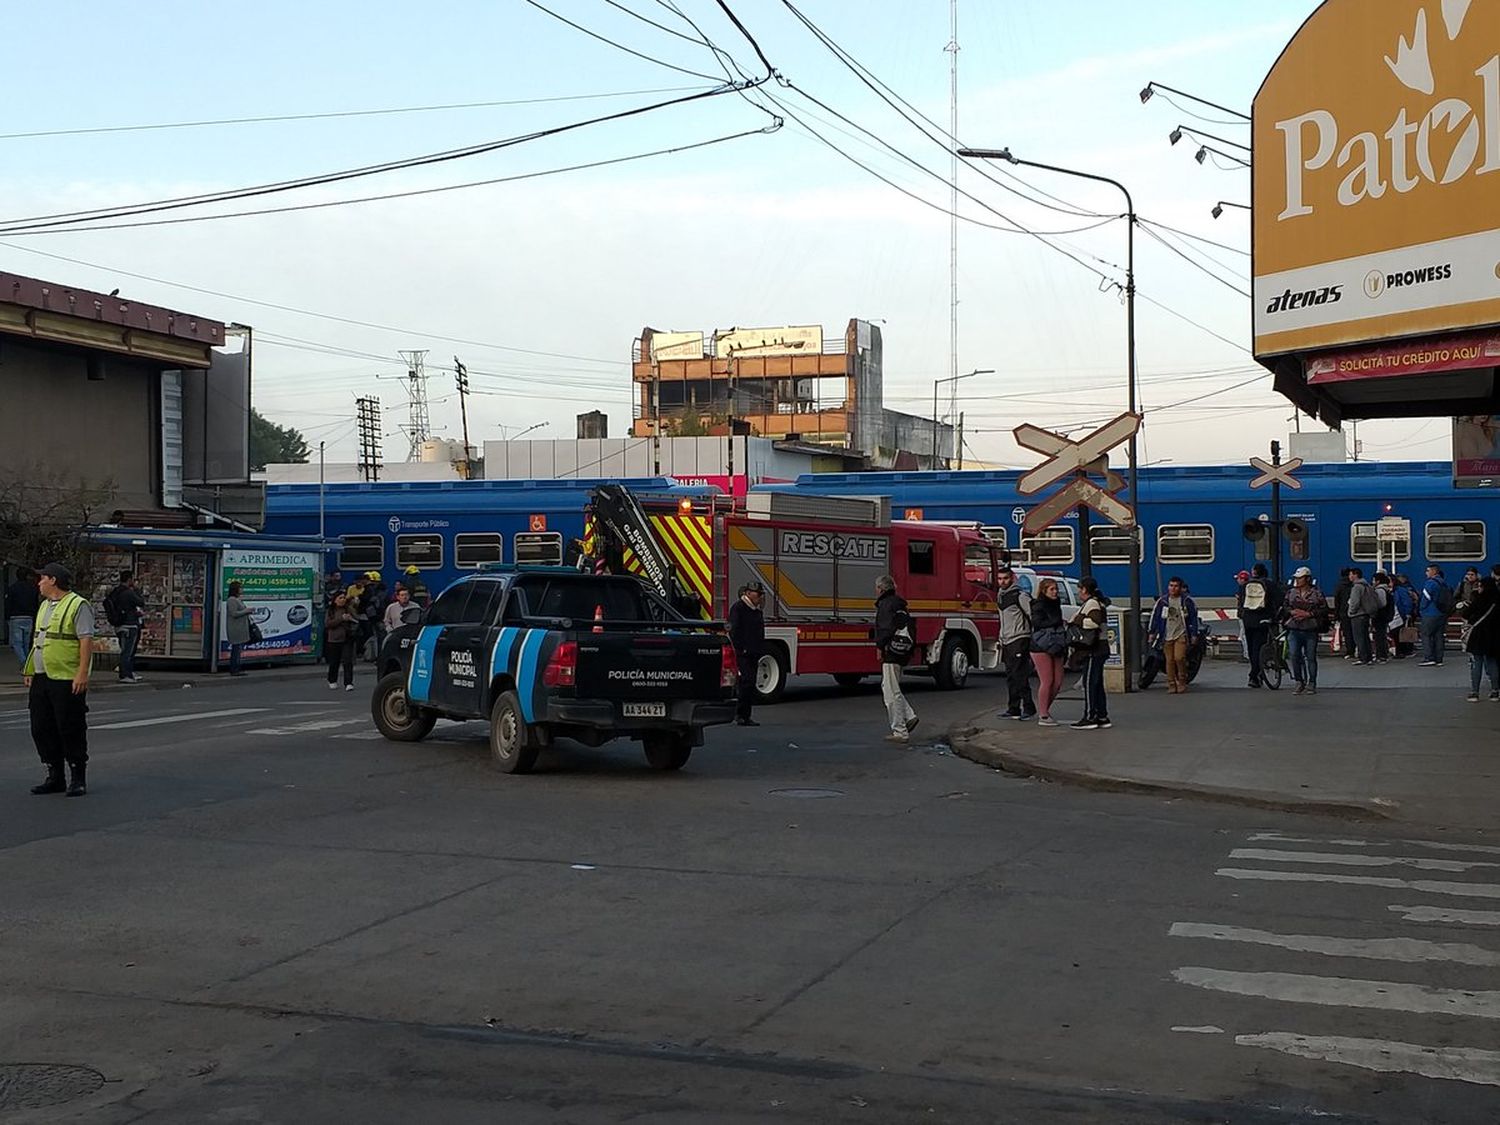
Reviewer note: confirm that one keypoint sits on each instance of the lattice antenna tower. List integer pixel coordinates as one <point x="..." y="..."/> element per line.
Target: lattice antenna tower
<point x="367" y="421"/>
<point x="418" y="424"/>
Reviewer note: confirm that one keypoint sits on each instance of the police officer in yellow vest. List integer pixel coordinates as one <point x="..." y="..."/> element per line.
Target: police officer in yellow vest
<point x="57" y="672"/>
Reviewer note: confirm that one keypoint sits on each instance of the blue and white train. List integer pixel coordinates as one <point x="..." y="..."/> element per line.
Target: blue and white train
<point x="1191" y="520"/>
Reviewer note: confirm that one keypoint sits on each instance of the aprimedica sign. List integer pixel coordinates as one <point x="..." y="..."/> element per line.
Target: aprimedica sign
<point x="1377" y="176"/>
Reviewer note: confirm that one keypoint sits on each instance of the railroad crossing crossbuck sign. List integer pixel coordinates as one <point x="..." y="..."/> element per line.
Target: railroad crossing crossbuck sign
<point x="1275" y="474"/>
<point x="1076" y="458"/>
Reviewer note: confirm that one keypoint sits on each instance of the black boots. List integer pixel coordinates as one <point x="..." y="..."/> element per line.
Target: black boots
<point x="76" y="787"/>
<point x="53" y="784"/>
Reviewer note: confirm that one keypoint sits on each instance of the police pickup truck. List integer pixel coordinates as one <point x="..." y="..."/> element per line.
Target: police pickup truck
<point x="548" y="652"/>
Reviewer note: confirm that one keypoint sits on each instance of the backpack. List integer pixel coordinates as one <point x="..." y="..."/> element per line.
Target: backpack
<point x="900" y="645"/>
<point x="1255" y="594"/>
<point x="1444" y="598"/>
<point x="113" y="613"/>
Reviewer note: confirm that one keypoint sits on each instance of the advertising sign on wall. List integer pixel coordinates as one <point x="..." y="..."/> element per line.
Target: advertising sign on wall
<point x="1476" y="451"/>
<point x="1376" y="142"/>
<point x="278" y="588"/>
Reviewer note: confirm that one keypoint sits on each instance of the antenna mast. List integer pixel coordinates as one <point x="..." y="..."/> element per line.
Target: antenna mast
<point x="952" y="50"/>
<point x="418" y="425"/>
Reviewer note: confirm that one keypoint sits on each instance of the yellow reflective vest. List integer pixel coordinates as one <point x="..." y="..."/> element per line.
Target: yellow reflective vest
<point x="60" y="653"/>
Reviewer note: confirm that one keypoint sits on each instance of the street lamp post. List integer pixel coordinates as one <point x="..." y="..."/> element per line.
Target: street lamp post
<point x="936" y="383"/>
<point x="1133" y="625"/>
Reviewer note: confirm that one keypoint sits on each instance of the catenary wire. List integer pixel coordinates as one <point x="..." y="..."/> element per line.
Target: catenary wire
<point x="332" y="114"/>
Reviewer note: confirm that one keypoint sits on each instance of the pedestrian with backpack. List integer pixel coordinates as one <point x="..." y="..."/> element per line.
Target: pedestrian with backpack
<point x="1434" y="605"/>
<point x="1260" y="603"/>
<point x="895" y="638"/>
<point x="1361" y="612"/>
<point x="125" y="609"/>
<point x="1015" y="606"/>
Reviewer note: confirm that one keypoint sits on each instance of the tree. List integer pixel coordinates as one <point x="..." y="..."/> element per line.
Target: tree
<point x="43" y="517"/>
<point x="271" y="444"/>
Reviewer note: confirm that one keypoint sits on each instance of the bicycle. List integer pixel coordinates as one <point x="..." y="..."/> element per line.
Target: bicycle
<point x="1274" y="664"/>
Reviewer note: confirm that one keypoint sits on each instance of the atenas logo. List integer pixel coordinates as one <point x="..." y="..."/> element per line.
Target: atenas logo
<point x="1376" y="282"/>
<point x="1328" y="295"/>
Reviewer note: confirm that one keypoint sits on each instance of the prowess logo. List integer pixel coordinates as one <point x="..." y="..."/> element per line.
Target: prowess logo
<point x="1328" y="295"/>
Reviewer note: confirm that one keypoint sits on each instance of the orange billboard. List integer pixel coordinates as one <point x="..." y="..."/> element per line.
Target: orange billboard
<point x="1376" y="169"/>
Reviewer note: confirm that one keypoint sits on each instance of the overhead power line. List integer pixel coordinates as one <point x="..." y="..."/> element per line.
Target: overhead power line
<point x="413" y="192"/>
<point x="334" y="114"/>
<point x="1195" y="263"/>
<point x="69" y="218"/>
<point x="619" y="46"/>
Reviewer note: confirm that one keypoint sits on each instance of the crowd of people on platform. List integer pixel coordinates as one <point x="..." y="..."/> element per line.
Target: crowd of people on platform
<point x="358" y="614"/>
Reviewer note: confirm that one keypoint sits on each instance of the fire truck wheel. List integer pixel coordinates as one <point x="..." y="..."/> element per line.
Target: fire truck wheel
<point x="770" y="675"/>
<point x="848" y="679"/>
<point x="952" y="669"/>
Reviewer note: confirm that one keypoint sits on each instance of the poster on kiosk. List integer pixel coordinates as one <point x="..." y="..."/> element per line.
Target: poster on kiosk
<point x="278" y="587"/>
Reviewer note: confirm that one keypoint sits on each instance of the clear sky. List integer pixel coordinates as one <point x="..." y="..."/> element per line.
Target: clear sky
<point x="764" y="229"/>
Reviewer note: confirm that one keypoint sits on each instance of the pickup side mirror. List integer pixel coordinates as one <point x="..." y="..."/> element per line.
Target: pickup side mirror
<point x="413" y="614"/>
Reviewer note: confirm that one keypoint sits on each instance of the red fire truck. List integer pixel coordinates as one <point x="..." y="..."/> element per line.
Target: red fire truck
<point x="818" y="558"/>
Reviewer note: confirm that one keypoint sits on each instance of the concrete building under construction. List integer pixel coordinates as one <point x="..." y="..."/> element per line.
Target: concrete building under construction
<point x="786" y="384"/>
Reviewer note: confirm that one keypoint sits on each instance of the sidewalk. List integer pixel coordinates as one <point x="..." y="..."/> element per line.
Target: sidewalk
<point x="160" y="679"/>
<point x="1391" y="741"/>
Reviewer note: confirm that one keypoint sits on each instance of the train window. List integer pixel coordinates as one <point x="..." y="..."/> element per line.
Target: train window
<point x="1112" y="544"/>
<point x="474" y="549"/>
<point x="1051" y="546"/>
<point x="423" y="551"/>
<point x="1364" y="547"/>
<point x="1455" y="541"/>
<point x="920" y="557"/>
<point x="996" y="535"/>
<point x="1185" y="543"/>
<point x="538" y="548"/>
<point x="361" y="552"/>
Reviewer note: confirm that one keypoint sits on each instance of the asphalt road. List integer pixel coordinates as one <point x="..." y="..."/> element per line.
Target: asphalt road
<point x="263" y="912"/>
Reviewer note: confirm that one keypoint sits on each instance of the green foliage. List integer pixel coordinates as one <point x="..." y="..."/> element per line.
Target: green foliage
<point x="271" y="444"/>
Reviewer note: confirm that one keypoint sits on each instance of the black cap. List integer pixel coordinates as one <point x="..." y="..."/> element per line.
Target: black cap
<point x="60" y="573"/>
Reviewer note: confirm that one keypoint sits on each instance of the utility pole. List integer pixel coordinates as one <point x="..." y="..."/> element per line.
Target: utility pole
<point x="729" y="418"/>
<point x="1276" y="518"/>
<point x="461" y="374"/>
<point x="952" y="50"/>
<point x="418" y="425"/>
<point x="960" y="439"/>
<point x="367" y="417"/>
<point x="322" y="524"/>
<point x="656" y="412"/>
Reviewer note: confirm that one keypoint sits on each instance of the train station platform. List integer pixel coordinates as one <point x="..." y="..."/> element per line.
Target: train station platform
<point x="1393" y="741"/>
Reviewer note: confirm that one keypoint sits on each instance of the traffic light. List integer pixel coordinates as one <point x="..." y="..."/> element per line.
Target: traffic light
<point x="1298" y="540"/>
<point x="1255" y="530"/>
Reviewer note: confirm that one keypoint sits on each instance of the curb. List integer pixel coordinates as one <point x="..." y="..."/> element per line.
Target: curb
<point x="165" y="681"/>
<point x="983" y="746"/>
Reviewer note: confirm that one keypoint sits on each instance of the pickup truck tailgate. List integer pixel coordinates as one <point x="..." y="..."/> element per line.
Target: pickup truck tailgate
<point x="650" y="666"/>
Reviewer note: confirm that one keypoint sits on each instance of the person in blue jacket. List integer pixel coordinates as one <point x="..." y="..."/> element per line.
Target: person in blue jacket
<point x="1433" y="607"/>
<point x="1405" y="601"/>
<point x="1174" y="623"/>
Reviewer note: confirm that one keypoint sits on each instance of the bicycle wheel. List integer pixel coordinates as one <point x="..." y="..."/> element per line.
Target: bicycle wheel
<point x="1272" y="664"/>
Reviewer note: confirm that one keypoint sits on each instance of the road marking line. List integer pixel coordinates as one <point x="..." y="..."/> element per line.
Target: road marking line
<point x="1206" y="1029"/>
<point x="1381" y="949"/>
<point x="1430" y="886"/>
<point x="1460" y="1064"/>
<point x="1345" y="859"/>
<point x="361" y="736"/>
<point x="306" y="728"/>
<point x="1440" y="914"/>
<point x="1345" y="992"/>
<point x="165" y="719"/>
<point x="1282" y="838"/>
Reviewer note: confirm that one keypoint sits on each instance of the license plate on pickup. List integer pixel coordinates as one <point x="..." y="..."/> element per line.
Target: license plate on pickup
<point x="644" y="710"/>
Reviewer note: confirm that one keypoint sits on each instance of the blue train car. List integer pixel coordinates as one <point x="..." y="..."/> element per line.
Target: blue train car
<point x="1192" y="520"/>
<point x="447" y="528"/>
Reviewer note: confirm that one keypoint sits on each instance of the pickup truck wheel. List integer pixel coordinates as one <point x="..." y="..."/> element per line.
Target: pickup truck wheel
<point x="848" y="679"/>
<point x="667" y="751"/>
<point x="394" y="716"/>
<point x="511" y="744"/>
<point x="952" y="668"/>
<point x="770" y="675"/>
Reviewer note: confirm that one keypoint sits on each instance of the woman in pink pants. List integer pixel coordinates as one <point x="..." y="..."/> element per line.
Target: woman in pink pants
<point x="1049" y="641"/>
